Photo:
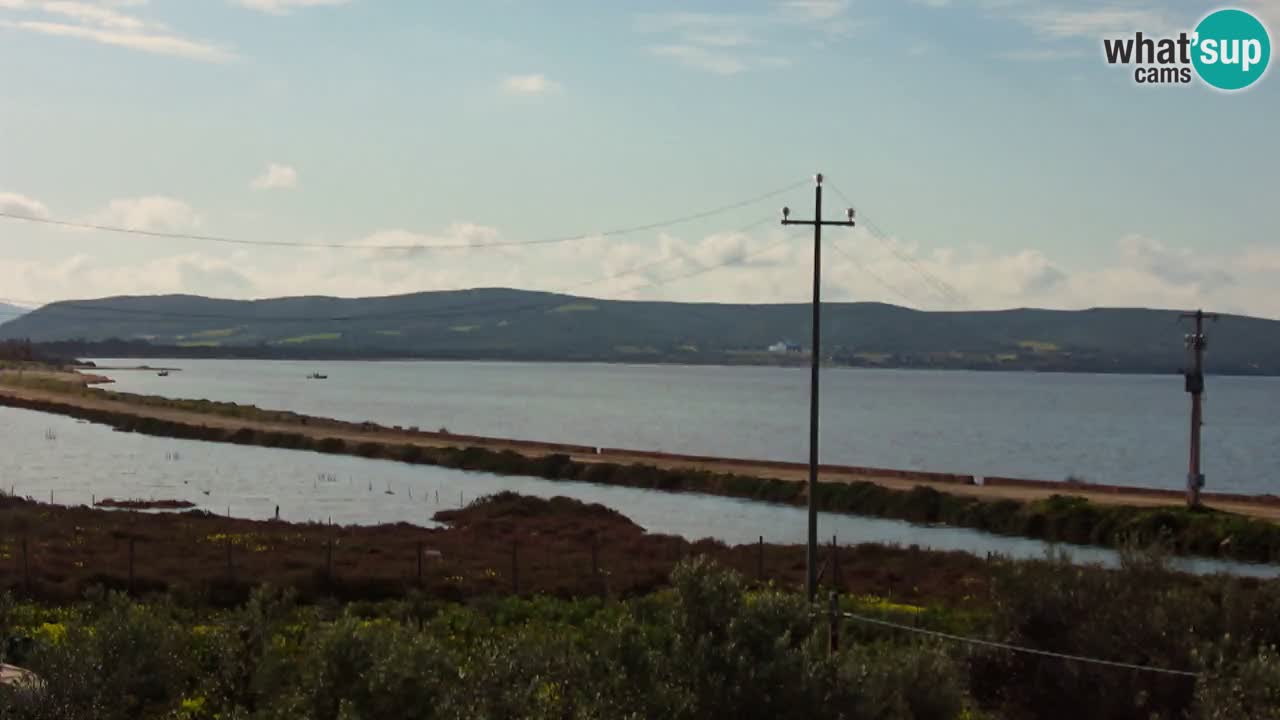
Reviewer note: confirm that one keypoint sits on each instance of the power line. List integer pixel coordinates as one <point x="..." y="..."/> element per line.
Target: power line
<point x="1017" y="648"/>
<point x="871" y="274"/>
<point x="706" y="269"/>
<point x="446" y="312"/>
<point x="945" y="290"/>
<point x="409" y="246"/>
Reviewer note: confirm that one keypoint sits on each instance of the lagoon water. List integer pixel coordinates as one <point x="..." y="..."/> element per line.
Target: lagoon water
<point x="1117" y="429"/>
<point x="74" y="462"/>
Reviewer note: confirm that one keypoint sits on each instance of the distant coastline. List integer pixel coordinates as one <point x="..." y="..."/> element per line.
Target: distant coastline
<point x="143" y="352"/>
<point x="503" y="324"/>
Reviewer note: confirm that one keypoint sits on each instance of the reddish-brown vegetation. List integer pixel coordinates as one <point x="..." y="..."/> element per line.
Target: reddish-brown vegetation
<point x="145" y="504"/>
<point x="551" y="544"/>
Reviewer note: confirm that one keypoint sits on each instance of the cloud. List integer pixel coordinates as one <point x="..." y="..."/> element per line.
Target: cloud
<point x="1179" y="267"/>
<point x="90" y="14"/>
<point x="535" y="84"/>
<point x="16" y="204"/>
<point x="1040" y="55"/>
<point x="721" y="43"/>
<point x="1097" y="22"/>
<point x="84" y="276"/>
<point x="104" y="22"/>
<point x="702" y="58"/>
<point x="276" y="177"/>
<point x="401" y="243"/>
<point x="153" y="213"/>
<point x="815" y="9"/>
<point x="285" y="7"/>
<point x="763" y="265"/>
<point x="1267" y="10"/>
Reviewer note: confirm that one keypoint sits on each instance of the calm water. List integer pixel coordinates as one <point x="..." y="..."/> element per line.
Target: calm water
<point x="77" y="462"/>
<point x="1120" y="429"/>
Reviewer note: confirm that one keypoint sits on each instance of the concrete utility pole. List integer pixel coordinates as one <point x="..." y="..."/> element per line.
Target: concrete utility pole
<point x="1196" y="344"/>
<point x="811" y="554"/>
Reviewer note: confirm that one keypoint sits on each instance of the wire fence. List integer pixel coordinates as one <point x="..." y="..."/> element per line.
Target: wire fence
<point x="1013" y="648"/>
<point x="225" y="558"/>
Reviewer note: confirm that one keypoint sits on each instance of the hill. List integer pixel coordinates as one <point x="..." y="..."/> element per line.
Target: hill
<point x="9" y="312"/>
<point x="516" y="324"/>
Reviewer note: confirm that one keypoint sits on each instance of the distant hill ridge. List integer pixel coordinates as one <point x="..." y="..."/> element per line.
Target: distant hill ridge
<point x="499" y="323"/>
<point x="9" y="312"/>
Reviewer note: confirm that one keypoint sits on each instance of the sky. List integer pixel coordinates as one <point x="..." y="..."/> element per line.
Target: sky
<point x="993" y="158"/>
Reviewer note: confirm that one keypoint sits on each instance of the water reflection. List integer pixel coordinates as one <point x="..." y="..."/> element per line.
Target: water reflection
<point x="75" y="462"/>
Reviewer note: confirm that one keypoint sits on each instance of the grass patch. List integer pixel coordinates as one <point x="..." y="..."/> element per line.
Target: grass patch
<point x="1038" y="346"/>
<point x="574" y="307"/>
<point x="221" y="333"/>
<point x="315" y="337"/>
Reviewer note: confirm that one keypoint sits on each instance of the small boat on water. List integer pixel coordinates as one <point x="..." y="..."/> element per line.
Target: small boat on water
<point x="163" y="373"/>
<point x="317" y="376"/>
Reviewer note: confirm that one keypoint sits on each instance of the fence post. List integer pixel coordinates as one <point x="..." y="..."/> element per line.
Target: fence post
<point x="131" y="541"/>
<point x="328" y="560"/>
<point x="515" y="567"/>
<point x="835" y="564"/>
<point x="419" y="563"/>
<point x="231" y="572"/>
<point x="760" y="560"/>
<point x="833" y="635"/>
<point x="26" y="568"/>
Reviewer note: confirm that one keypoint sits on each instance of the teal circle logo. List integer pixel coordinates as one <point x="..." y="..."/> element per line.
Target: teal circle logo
<point x="1232" y="49"/>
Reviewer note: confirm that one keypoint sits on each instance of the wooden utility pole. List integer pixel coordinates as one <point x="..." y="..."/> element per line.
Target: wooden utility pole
<point x="811" y="552"/>
<point x="1196" y="344"/>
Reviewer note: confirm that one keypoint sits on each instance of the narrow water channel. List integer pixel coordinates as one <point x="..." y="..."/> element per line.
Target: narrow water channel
<point x="74" y="462"/>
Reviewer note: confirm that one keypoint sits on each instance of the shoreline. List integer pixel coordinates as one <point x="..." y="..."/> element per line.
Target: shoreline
<point x="990" y="487"/>
<point x="1241" y="527"/>
<point x="906" y="368"/>
<point x="567" y="548"/>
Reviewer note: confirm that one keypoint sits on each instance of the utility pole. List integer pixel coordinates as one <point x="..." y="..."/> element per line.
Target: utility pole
<point x="811" y="551"/>
<point x="1196" y="343"/>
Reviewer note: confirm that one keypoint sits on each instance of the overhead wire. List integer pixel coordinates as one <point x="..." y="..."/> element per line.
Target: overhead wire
<point x="872" y="274"/>
<point x="447" y="312"/>
<point x="942" y="288"/>
<point x="691" y="217"/>
<point x="1016" y="648"/>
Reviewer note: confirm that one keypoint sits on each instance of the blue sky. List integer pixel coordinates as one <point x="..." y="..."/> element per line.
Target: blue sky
<point x="999" y="155"/>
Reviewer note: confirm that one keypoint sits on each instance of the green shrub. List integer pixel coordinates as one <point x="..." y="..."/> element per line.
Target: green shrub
<point x="889" y="682"/>
<point x="331" y="445"/>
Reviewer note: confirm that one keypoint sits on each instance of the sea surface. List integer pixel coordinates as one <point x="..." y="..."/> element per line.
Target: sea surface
<point x="1115" y="429"/>
<point x="73" y="462"/>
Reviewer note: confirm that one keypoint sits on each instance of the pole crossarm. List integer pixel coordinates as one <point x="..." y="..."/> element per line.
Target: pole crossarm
<point x="841" y="223"/>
